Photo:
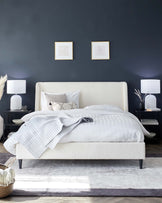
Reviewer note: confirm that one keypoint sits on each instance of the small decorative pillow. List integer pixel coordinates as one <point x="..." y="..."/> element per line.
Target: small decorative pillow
<point x="63" y="106"/>
<point x="70" y="97"/>
<point x="54" y="98"/>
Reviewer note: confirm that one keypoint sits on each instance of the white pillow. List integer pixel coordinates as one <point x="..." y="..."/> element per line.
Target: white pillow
<point x="73" y="97"/>
<point x="62" y="106"/>
<point x="70" y="96"/>
<point x="105" y="107"/>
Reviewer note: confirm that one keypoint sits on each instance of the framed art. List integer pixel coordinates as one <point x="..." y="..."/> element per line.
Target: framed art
<point x="100" y="50"/>
<point x="63" y="51"/>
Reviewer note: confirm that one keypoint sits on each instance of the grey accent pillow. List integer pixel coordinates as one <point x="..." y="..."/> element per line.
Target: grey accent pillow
<point x="54" y="98"/>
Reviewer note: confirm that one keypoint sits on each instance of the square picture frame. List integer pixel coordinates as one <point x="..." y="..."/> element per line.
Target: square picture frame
<point x="63" y="50"/>
<point x="100" y="50"/>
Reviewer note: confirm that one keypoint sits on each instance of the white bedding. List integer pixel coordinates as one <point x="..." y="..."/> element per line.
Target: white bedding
<point x="42" y="132"/>
<point x="109" y="125"/>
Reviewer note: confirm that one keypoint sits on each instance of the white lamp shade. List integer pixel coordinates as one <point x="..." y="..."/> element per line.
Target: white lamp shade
<point x="149" y="86"/>
<point x="16" y="86"/>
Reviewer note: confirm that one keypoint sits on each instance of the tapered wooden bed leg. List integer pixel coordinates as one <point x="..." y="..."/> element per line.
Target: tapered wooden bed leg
<point x="20" y="163"/>
<point x="140" y="163"/>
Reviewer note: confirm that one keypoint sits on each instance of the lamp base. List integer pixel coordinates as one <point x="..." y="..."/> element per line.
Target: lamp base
<point x="15" y="102"/>
<point x="150" y="102"/>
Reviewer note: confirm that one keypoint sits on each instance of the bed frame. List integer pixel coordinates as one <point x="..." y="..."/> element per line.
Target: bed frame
<point x="90" y="93"/>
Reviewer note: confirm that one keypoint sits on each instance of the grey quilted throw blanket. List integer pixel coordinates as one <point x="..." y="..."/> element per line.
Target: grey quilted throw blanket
<point x="42" y="132"/>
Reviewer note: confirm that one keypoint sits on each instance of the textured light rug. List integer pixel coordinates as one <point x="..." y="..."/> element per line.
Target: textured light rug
<point x="4" y="157"/>
<point x="89" y="178"/>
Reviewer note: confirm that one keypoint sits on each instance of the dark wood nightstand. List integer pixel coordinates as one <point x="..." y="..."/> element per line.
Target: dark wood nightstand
<point x="9" y="126"/>
<point x="151" y="121"/>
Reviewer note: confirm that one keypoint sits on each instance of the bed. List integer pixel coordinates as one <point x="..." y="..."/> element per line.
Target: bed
<point x="114" y="93"/>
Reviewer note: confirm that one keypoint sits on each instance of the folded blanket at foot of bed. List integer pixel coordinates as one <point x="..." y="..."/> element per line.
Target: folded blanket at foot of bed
<point x="42" y="132"/>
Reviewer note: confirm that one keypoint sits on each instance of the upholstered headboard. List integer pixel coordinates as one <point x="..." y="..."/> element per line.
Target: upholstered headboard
<point x="90" y="92"/>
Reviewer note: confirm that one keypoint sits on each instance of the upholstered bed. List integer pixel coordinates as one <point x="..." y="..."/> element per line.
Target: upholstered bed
<point x="114" y="93"/>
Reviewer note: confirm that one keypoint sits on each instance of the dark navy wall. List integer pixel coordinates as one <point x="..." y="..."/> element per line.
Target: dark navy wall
<point x="28" y="29"/>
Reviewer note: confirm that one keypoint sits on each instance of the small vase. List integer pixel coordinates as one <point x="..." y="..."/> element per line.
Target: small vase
<point x="141" y="106"/>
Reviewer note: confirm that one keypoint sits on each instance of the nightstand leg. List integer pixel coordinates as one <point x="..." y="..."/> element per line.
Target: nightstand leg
<point x="20" y="163"/>
<point x="141" y="163"/>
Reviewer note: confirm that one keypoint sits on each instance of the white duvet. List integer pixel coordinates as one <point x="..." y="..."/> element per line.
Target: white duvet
<point x="109" y="125"/>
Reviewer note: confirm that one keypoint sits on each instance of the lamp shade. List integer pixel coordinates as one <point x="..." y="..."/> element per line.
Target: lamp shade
<point x="150" y="86"/>
<point x="16" y="86"/>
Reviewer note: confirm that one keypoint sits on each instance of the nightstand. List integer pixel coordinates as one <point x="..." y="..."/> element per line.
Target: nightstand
<point x="9" y="126"/>
<point x="151" y="121"/>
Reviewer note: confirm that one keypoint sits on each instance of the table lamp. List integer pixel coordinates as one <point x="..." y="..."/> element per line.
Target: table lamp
<point x="149" y="87"/>
<point x="16" y="87"/>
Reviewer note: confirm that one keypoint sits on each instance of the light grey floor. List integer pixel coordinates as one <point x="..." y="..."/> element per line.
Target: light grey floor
<point x="81" y="200"/>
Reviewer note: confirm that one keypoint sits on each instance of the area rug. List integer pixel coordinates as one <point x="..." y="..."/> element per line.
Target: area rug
<point x="4" y="157"/>
<point x="88" y="178"/>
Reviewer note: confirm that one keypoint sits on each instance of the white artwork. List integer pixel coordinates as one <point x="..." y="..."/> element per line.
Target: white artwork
<point x="63" y="50"/>
<point x="100" y="50"/>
